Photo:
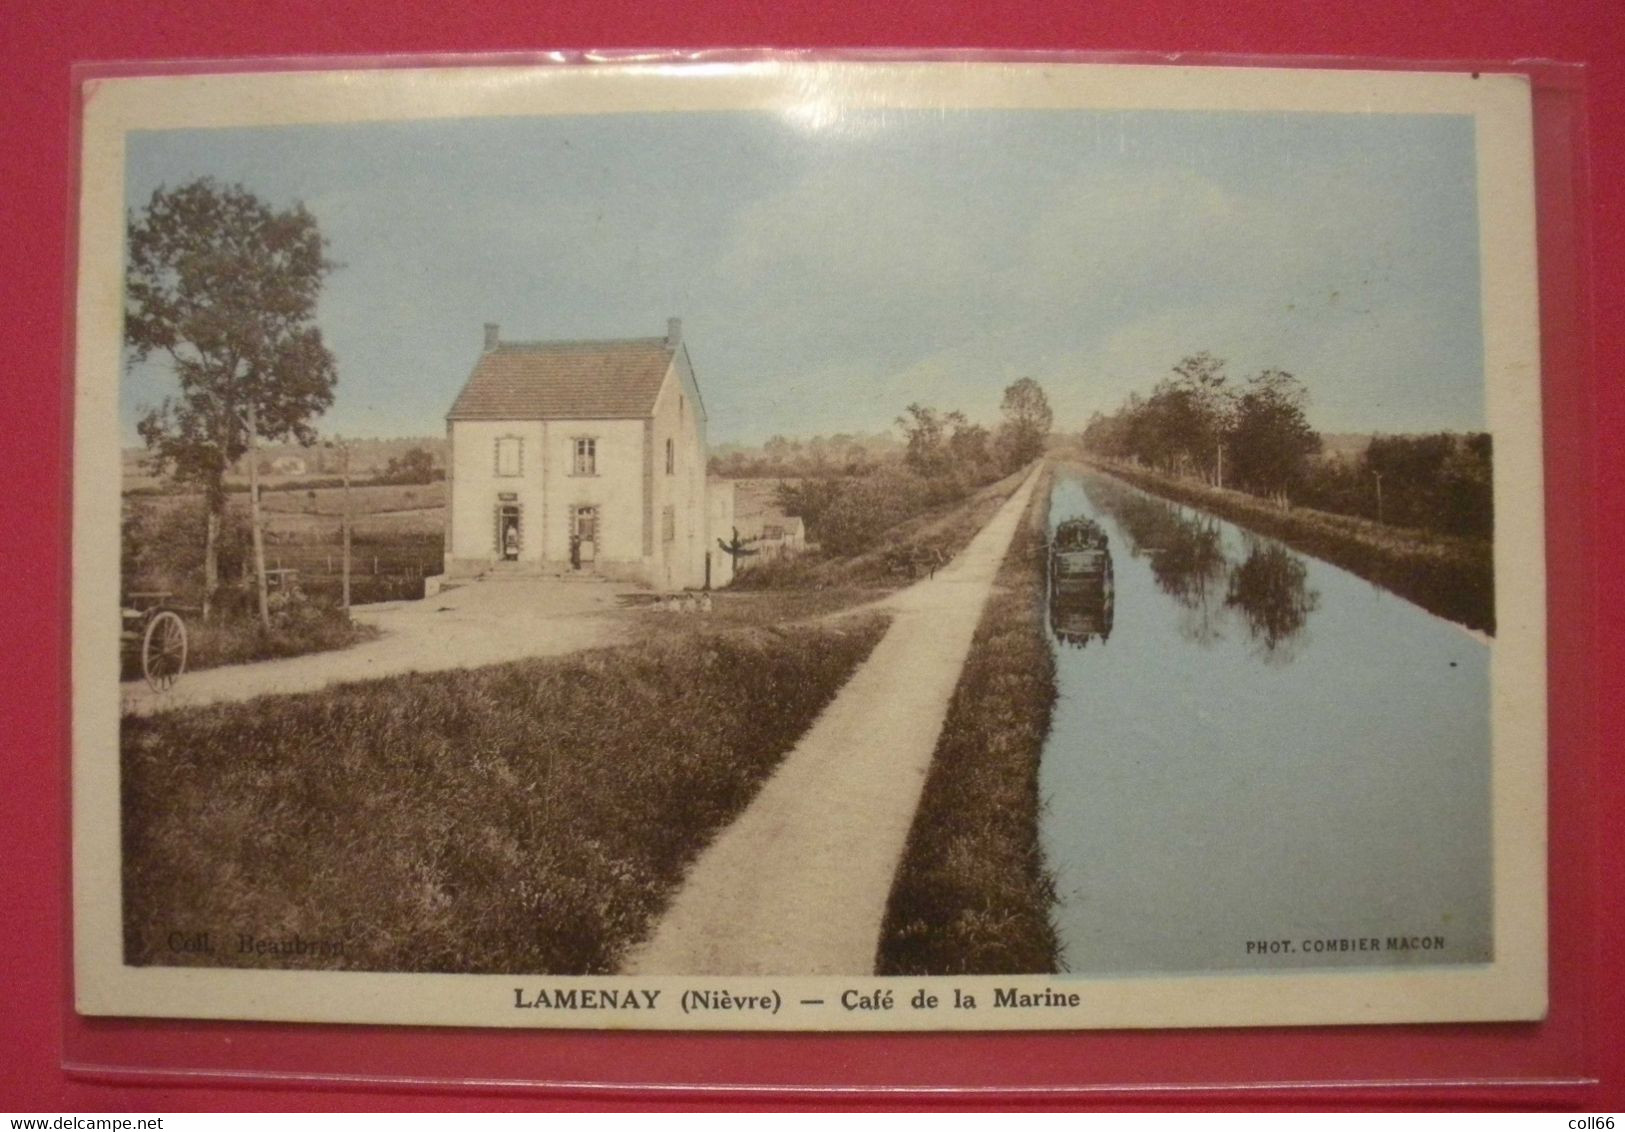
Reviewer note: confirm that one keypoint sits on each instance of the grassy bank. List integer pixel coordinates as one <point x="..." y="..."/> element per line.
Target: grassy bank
<point x="1451" y="577"/>
<point x="526" y="817"/>
<point x="973" y="895"/>
<point x="238" y="638"/>
<point x="938" y="534"/>
<point x="755" y="609"/>
<point x="241" y="640"/>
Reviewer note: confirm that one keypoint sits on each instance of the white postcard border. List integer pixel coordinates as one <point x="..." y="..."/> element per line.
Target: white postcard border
<point x="1513" y="986"/>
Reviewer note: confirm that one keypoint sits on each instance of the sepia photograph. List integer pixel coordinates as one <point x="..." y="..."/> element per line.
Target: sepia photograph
<point x="787" y="545"/>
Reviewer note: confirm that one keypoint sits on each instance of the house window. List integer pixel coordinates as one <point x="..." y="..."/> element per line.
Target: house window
<point x="510" y="456"/>
<point x="586" y="456"/>
<point x="668" y="524"/>
<point x="772" y="530"/>
<point x="671" y="456"/>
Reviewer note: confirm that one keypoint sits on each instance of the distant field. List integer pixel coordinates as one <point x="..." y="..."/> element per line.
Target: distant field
<point x="397" y="535"/>
<point x="412" y="509"/>
<point x="369" y="499"/>
<point x="368" y="457"/>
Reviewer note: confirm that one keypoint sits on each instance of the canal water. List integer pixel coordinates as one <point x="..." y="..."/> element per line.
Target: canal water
<point x="1252" y="747"/>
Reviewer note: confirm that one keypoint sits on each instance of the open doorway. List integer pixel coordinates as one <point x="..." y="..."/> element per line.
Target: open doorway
<point x="583" y="537"/>
<point x="508" y="535"/>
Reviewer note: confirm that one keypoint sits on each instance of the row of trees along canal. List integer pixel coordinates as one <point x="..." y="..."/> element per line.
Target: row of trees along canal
<point x="1256" y="437"/>
<point x="224" y="287"/>
<point x="945" y="457"/>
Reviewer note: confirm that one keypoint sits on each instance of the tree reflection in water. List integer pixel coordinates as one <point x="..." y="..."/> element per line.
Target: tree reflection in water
<point x="1189" y="566"/>
<point x="1188" y="563"/>
<point x="1186" y="553"/>
<point x="1269" y="590"/>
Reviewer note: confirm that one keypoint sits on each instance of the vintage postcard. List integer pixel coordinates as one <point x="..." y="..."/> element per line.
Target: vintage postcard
<point x="870" y="545"/>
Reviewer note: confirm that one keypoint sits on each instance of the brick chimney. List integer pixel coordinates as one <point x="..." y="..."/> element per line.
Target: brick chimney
<point x="674" y="333"/>
<point x="492" y="336"/>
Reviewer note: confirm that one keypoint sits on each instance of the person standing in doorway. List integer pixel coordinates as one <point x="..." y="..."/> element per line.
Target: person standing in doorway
<point x="575" y="551"/>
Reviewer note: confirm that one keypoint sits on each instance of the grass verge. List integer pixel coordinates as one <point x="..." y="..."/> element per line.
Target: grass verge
<point x="242" y="640"/>
<point x="973" y="896"/>
<point x="941" y="532"/>
<point x="526" y="817"/>
<point x="1453" y="578"/>
<point x="757" y="609"/>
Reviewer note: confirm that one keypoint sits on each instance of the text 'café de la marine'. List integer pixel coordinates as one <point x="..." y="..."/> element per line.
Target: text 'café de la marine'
<point x="583" y="458"/>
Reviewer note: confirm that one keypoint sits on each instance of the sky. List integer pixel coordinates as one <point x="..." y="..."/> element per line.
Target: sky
<point x="831" y="270"/>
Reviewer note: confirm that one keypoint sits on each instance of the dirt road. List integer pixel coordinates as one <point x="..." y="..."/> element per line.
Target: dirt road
<point x="486" y="622"/>
<point x="798" y="884"/>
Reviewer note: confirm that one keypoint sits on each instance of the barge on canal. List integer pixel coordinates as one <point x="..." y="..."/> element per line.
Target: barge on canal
<point x="1081" y="587"/>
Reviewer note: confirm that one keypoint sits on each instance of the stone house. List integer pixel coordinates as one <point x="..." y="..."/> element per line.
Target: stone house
<point x="764" y="525"/>
<point x="582" y="458"/>
<point x="780" y="535"/>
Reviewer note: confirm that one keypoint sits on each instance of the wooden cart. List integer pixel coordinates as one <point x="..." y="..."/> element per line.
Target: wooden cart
<point x="153" y="632"/>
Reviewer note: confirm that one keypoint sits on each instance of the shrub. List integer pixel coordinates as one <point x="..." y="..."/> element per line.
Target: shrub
<point x="240" y="639"/>
<point x="809" y="500"/>
<point x="867" y="507"/>
<point x="789" y="571"/>
<point x="161" y="547"/>
<point x="1441" y="482"/>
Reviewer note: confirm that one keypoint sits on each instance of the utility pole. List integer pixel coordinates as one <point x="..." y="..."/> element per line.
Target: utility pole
<point x="344" y="470"/>
<point x="254" y="518"/>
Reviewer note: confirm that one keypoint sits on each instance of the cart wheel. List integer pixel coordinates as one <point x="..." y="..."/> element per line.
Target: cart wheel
<point x="163" y="650"/>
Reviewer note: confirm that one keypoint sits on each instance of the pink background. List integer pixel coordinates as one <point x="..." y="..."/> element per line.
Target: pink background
<point x="1585" y="494"/>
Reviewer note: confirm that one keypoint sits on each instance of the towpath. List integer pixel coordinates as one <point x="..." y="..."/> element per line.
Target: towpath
<point x="798" y="883"/>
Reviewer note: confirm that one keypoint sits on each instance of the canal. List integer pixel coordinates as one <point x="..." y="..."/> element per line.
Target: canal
<point x="1253" y="747"/>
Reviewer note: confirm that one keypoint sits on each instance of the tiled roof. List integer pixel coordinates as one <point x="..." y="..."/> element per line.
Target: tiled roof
<point x="565" y="380"/>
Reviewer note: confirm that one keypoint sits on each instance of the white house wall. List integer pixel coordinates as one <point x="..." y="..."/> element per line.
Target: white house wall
<point x="679" y="416"/>
<point x="546" y="490"/>
<point x="616" y="489"/>
<point x="475" y="490"/>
